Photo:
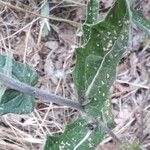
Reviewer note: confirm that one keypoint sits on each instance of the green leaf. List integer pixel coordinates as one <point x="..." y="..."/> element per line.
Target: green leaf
<point x="45" y="22"/>
<point x="107" y="115"/>
<point x="93" y="75"/>
<point x="141" y="21"/>
<point x="13" y="101"/>
<point x="92" y="15"/>
<point x="7" y="69"/>
<point x="77" y="136"/>
<point x="97" y="60"/>
<point x="21" y="71"/>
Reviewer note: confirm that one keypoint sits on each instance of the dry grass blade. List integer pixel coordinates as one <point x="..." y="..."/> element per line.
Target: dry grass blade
<point x="53" y="58"/>
<point x="41" y="16"/>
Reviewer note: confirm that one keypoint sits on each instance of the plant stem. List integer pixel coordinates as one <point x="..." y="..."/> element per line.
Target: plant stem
<point x="109" y="132"/>
<point x="38" y="93"/>
<point x="46" y="97"/>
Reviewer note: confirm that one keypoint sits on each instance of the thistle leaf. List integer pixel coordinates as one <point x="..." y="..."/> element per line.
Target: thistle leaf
<point x="97" y="60"/>
<point x="92" y="15"/>
<point x="13" y="101"/>
<point x="77" y="136"/>
<point x="93" y="75"/>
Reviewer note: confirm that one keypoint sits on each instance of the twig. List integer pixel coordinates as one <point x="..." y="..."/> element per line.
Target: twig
<point x="144" y="102"/>
<point x="109" y="132"/>
<point x="35" y="92"/>
<point x="130" y="24"/>
<point x="133" y="84"/>
<point x="119" y="131"/>
<point x="38" y="15"/>
<point x="26" y="26"/>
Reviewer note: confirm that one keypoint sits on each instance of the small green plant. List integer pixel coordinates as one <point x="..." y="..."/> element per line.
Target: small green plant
<point x="104" y="45"/>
